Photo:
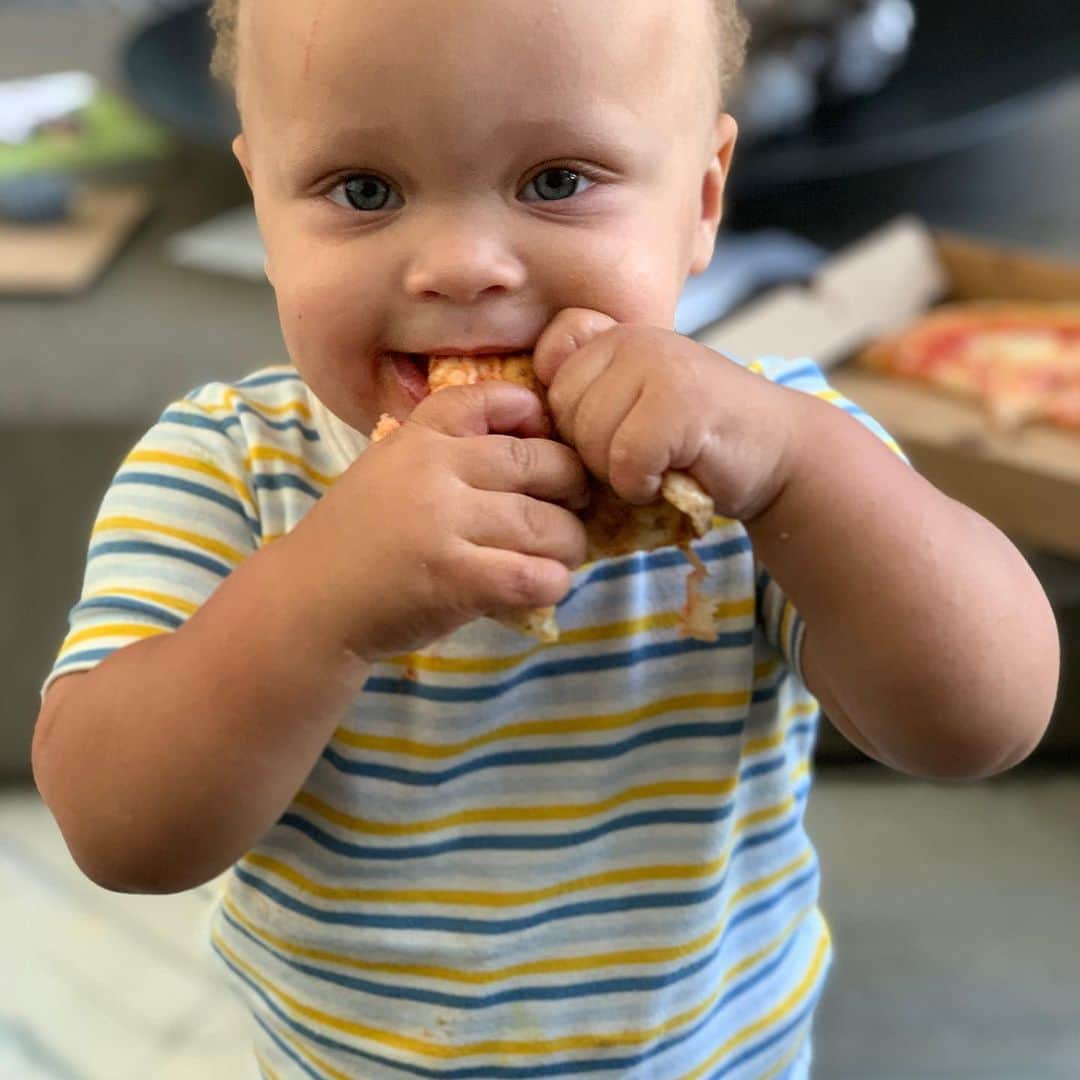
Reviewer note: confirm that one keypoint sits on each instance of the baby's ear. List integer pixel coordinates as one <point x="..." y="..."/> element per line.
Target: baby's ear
<point x="725" y="132"/>
<point x="240" y="152"/>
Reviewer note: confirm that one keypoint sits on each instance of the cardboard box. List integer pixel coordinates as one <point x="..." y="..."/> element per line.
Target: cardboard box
<point x="1027" y="482"/>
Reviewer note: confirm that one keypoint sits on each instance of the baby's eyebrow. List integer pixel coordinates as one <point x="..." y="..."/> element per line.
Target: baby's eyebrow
<point x="598" y="130"/>
<point x="603" y="131"/>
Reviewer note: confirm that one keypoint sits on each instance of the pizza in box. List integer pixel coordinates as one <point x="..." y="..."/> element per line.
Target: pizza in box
<point x="1019" y="360"/>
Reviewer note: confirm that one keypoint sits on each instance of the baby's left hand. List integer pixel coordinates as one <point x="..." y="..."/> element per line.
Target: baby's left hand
<point x="636" y="401"/>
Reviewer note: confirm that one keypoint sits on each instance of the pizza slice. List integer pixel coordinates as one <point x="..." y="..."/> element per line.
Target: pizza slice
<point x="613" y="526"/>
<point x="1020" y="361"/>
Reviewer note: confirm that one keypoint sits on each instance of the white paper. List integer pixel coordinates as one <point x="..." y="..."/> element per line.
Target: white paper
<point x="867" y="290"/>
<point x="26" y="104"/>
<point x="227" y="244"/>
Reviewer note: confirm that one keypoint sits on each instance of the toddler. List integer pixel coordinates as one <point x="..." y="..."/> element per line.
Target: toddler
<point x="452" y="851"/>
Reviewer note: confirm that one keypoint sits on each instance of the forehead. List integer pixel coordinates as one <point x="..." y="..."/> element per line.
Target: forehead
<point x="413" y="61"/>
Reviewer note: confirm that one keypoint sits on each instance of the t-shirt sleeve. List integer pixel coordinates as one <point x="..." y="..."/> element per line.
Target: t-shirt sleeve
<point x="179" y="516"/>
<point x="777" y="617"/>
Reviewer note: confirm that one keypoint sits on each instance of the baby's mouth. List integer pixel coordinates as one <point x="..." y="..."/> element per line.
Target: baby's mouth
<point x="412" y="372"/>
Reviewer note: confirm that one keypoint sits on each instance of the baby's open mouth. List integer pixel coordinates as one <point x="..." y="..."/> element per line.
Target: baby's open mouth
<point x="412" y="371"/>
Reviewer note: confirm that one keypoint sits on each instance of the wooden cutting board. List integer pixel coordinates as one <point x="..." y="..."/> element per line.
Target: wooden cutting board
<point x="67" y="257"/>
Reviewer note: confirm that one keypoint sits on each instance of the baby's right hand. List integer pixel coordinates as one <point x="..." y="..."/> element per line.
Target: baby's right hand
<point x="448" y="519"/>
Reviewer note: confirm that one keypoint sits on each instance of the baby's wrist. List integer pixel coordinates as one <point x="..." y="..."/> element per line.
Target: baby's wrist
<point x="794" y="423"/>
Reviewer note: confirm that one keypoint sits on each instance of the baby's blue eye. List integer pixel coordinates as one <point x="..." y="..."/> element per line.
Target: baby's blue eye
<point x="365" y="192"/>
<point x="553" y="185"/>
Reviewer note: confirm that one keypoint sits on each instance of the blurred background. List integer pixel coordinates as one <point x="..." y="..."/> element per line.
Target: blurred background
<point x="130" y="272"/>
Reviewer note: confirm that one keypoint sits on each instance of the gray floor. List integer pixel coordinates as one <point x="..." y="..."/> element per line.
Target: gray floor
<point x="955" y="917"/>
<point x="953" y="912"/>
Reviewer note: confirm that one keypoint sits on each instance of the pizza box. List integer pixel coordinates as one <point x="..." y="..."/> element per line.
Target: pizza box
<point x="1028" y="481"/>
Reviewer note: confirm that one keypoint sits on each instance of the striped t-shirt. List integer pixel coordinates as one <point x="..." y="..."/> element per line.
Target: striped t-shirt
<point x="512" y="860"/>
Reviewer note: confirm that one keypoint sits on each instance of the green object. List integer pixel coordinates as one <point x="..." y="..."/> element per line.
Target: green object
<point x="109" y="131"/>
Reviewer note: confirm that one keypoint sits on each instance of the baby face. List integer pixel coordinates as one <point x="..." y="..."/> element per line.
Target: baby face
<point x="445" y="176"/>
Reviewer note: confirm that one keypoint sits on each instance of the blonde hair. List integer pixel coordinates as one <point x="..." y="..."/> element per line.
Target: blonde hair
<point x="730" y="29"/>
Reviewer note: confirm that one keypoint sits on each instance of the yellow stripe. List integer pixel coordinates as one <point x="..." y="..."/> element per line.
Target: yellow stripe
<point x="488" y="815"/>
<point x="143" y="525"/>
<point x="164" y="599"/>
<point x="726" y="979"/>
<point x="771" y="742"/>
<point x="574" y="725"/>
<point x="231" y="397"/>
<point x="272" y="453"/>
<point x="264" y="1065"/>
<point x="183" y="461"/>
<point x="784" y="1062"/>
<point x="570" y="725"/>
<point x="784" y="1009"/>
<point x="766" y="669"/>
<point x="607" y="1040"/>
<point x="666" y="620"/>
<point x="312" y="1058"/>
<point x="785" y="626"/>
<point x="830" y="395"/>
<point x="564" y="965"/>
<point x="629" y="875"/>
<point x="126" y="630"/>
<point x="835" y="397"/>
<point x="766" y="813"/>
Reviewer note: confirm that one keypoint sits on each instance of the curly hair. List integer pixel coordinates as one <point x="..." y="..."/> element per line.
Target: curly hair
<point x="730" y="30"/>
<point x="223" y="17"/>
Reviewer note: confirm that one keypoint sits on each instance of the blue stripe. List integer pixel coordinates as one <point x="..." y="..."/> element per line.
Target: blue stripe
<point x="139" y="547"/>
<point x="283" y="1046"/>
<point x="87" y="656"/>
<point x="529" y="841"/>
<point x="564" y="992"/>
<point x="135" y="607"/>
<point x="564" y="1068"/>
<point x="279" y="481"/>
<point x="194" y="420"/>
<point x="188" y="487"/>
<point x="739" y="639"/>
<point x="770" y="690"/>
<point x="537" y="756"/>
<point x="664" y="559"/>
<point x="806" y="371"/>
<point x="269" y="380"/>
<point x="517" y="842"/>
<point x="797" y="1021"/>
<point x="493" y="927"/>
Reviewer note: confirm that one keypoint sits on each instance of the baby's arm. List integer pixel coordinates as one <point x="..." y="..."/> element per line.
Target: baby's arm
<point x="929" y="641"/>
<point x="168" y="760"/>
<point x="173" y="756"/>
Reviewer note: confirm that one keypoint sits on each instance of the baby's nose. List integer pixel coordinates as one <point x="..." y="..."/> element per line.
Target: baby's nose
<point x="463" y="263"/>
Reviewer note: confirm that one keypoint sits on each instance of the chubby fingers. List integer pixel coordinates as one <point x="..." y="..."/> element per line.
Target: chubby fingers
<point x="483" y="409"/>
<point x="527" y="526"/>
<point x="572" y="329"/>
<point x="540" y="468"/>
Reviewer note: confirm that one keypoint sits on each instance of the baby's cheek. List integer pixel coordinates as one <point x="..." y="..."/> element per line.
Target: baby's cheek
<point x="320" y="321"/>
<point x="633" y="282"/>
